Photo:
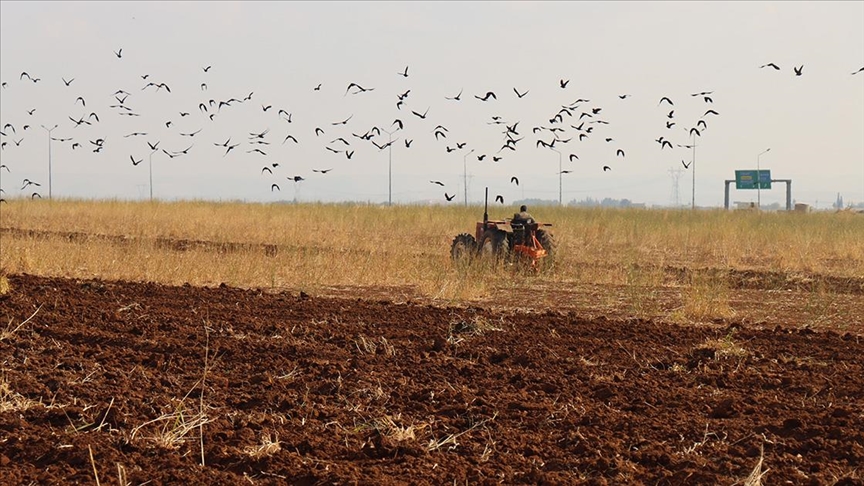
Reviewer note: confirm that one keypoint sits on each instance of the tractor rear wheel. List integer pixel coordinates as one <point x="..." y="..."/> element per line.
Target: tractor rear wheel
<point x="464" y="247"/>
<point x="549" y="244"/>
<point x="494" y="244"/>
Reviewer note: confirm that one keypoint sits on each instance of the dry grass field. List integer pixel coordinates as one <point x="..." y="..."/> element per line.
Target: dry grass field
<point x="660" y="347"/>
<point x="677" y="264"/>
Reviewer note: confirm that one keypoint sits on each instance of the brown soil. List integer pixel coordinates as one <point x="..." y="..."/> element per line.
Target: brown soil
<point x="381" y="392"/>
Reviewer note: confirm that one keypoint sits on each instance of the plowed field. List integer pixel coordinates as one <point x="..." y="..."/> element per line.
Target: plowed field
<point x="136" y="382"/>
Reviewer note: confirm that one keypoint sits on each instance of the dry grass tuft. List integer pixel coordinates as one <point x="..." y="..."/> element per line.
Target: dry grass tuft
<point x="11" y="401"/>
<point x="269" y="445"/>
<point x="755" y="477"/>
<point x="725" y="347"/>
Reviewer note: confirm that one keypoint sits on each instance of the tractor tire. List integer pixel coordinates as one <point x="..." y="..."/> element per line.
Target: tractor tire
<point x="549" y="244"/>
<point x="495" y="245"/>
<point x="464" y="247"/>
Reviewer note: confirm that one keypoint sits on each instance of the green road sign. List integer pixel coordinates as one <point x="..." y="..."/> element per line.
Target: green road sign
<point x="746" y="179"/>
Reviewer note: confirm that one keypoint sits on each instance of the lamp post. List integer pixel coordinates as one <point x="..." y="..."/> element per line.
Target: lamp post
<point x="389" y="165"/>
<point x="151" y="174"/>
<point x="465" y="174"/>
<point x="759" y="179"/>
<point x="560" y="192"/>
<point x="49" y="130"/>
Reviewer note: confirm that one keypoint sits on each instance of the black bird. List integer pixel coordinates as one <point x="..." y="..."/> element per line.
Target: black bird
<point x="437" y="182"/>
<point x="274" y="186"/>
<point x="481" y="157"/>
<point x="340" y="139"/>
<point x="686" y="166"/>
<point x="695" y="131"/>
<point x="563" y="83"/>
<point x="449" y="197"/>
<point x="702" y="124"/>
<point x="439" y="133"/>
<point x="265" y="108"/>
<point x="670" y="124"/>
<point x="81" y="100"/>
<point x="35" y="195"/>
<point x="191" y="134"/>
<point x="455" y="98"/>
<point x="798" y="70"/>
<point x="206" y="69"/>
<point x="119" y="53"/>
<point x="135" y="162"/>
<point x="566" y="171"/>
<point x="403" y="95"/>
<point x="153" y="147"/>
<point x="573" y="156"/>
<point x="257" y="150"/>
<point x="606" y="168"/>
<point x="291" y="137"/>
<point x="671" y="114"/>
<point x="297" y="178"/>
<point x="30" y="112"/>
<point x="321" y="171"/>
<point x="343" y="122"/>
<point x="203" y="86"/>
<point x="317" y="130"/>
<point x="708" y="99"/>
<point x="404" y="74"/>
<point x="497" y="159"/>
<point x="858" y="71"/>
<point x="408" y="143"/>
<point x="184" y="113"/>
<point x="317" y="88"/>
<point x="333" y="150"/>
<point x="664" y="143"/>
<point x="666" y="100"/>
<point x="770" y="64"/>
<point x="518" y="94"/>
<point x="230" y="148"/>
<point x="398" y="122"/>
<point x="423" y="116"/>
<point x="360" y="88"/>
<point x="133" y="134"/>
<point x="623" y="96"/>
<point x="348" y="154"/>
<point x="286" y="113"/>
<point x="67" y="83"/>
<point x="619" y="152"/>
<point x="710" y="112"/>
<point x="499" y="198"/>
<point x="487" y="96"/>
<point x="28" y="182"/>
<point x="450" y="149"/>
<point x="514" y="179"/>
<point x="267" y="169"/>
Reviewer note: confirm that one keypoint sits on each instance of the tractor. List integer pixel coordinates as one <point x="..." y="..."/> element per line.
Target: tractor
<point x="507" y="240"/>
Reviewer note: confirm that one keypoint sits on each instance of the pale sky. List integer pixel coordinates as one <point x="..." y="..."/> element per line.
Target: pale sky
<point x="813" y="123"/>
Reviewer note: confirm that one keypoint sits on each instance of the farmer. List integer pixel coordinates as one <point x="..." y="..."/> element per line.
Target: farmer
<point x="523" y="216"/>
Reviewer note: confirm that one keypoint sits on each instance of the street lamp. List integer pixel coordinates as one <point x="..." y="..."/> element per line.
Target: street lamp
<point x="759" y="179"/>
<point x="49" y="130"/>
<point x="389" y="165"/>
<point x="560" y="193"/>
<point x="465" y="174"/>
<point x="151" y="174"/>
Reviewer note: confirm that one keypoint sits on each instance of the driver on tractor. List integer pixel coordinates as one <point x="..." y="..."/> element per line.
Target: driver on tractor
<point x="522" y="217"/>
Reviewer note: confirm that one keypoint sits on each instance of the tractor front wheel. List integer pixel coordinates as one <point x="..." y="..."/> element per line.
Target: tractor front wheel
<point x="464" y="247"/>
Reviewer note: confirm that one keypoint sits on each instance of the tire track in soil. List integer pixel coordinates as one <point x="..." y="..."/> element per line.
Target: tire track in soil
<point x="529" y="398"/>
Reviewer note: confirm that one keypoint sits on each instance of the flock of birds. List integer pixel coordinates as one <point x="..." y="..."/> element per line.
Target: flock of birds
<point x="566" y="126"/>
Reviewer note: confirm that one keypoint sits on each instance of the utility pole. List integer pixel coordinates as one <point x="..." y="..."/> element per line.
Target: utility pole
<point x="151" y="174"/>
<point x="389" y="165"/>
<point x="465" y="174"/>
<point x="560" y="185"/>
<point x="693" y="195"/>
<point x="759" y="179"/>
<point x="49" y="130"/>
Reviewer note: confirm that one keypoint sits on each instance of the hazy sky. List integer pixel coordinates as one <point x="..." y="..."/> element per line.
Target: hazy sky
<point x="279" y="52"/>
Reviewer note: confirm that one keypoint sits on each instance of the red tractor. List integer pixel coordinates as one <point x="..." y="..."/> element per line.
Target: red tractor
<point x="507" y="240"/>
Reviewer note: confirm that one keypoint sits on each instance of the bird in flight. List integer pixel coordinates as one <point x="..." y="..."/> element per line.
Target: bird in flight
<point x="565" y="171"/>
<point x="289" y="137"/>
<point x="206" y="69"/>
<point x="666" y="99"/>
<point x="275" y="186"/>
<point x="770" y="64"/>
<point x="437" y="182"/>
<point x="799" y="70"/>
<point x="455" y="98"/>
<point x="67" y="83"/>
<point x="563" y="83"/>
<point x="858" y="71"/>
<point x="606" y="168"/>
<point x="360" y="89"/>
<point x="321" y="171"/>
<point x="267" y="169"/>
<point x="449" y="197"/>
<point x="514" y="180"/>
<point x="422" y="117"/>
<point x="623" y="96"/>
<point x="573" y="156"/>
<point x="499" y="198"/>
<point x="28" y="182"/>
<point x="710" y="112"/>
<point x="686" y="165"/>
<point x="317" y="88"/>
<point x="191" y="134"/>
<point x="343" y="122"/>
<point x="404" y="74"/>
<point x="135" y="162"/>
<point x="119" y="53"/>
<point x="619" y="152"/>
<point x="488" y="95"/>
<point x="518" y="94"/>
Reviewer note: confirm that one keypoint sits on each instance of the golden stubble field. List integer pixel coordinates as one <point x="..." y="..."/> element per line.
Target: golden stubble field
<point x="678" y="265"/>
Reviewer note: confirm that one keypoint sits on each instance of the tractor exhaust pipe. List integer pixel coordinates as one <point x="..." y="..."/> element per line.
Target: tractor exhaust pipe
<point x="486" y="209"/>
